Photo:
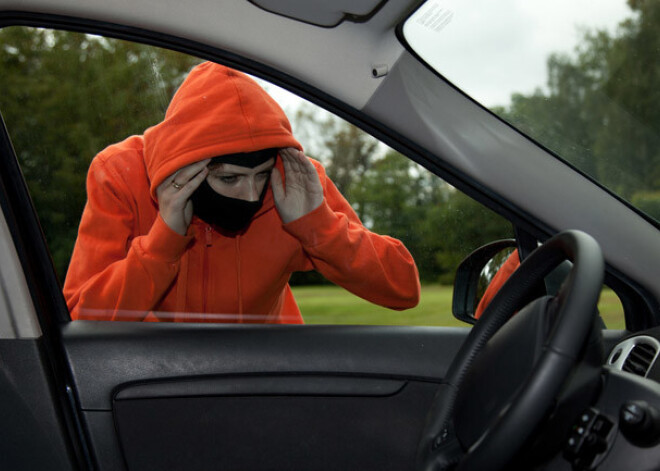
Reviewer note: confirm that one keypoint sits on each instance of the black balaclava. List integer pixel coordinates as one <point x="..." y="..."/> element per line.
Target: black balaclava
<point x="230" y="214"/>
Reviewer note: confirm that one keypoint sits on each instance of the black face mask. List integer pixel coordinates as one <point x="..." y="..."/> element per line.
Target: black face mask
<point x="229" y="214"/>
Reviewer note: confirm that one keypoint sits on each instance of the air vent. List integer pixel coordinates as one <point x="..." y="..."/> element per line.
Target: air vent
<point x="639" y="359"/>
<point x="635" y="355"/>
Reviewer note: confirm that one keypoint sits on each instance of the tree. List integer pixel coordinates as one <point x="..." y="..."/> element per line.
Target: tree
<point x="459" y="226"/>
<point x="395" y="197"/>
<point x="65" y="97"/>
<point x="438" y="224"/>
<point x="602" y="108"/>
<point x="346" y="150"/>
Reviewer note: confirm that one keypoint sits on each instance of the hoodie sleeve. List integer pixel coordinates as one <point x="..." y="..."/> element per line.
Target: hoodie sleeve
<point x="114" y="274"/>
<point x="375" y="267"/>
<point x="510" y="265"/>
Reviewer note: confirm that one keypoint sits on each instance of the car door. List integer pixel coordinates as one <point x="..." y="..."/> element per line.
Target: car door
<point x="126" y="395"/>
<point x="122" y="395"/>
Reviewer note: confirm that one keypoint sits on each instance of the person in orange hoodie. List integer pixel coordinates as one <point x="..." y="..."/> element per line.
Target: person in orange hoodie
<point x="205" y="217"/>
<point x="510" y="265"/>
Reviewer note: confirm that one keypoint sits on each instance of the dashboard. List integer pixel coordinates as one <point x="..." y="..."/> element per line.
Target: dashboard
<point x="621" y="430"/>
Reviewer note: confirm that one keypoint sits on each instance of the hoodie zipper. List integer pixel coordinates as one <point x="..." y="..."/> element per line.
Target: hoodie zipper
<point x="205" y="266"/>
<point x="209" y="242"/>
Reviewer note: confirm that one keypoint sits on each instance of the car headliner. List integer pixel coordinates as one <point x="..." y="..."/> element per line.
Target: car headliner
<point x="432" y="122"/>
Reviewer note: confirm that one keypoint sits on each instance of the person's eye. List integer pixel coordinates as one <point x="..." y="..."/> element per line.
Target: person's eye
<point x="263" y="175"/>
<point x="228" y="178"/>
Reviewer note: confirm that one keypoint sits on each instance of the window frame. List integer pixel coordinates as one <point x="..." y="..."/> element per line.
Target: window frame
<point x="638" y="304"/>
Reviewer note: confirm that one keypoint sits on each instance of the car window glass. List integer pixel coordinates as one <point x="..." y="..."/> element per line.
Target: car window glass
<point x="68" y="95"/>
<point x="611" y="309"/>
<point x="578" y="77"/>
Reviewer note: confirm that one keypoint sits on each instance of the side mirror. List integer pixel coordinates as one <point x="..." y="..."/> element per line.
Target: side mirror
<point x="474" y="274"/>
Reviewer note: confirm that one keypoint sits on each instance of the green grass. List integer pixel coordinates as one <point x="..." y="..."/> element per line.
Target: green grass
<point x="334" y="305"/>
<point x="611" y="310"/>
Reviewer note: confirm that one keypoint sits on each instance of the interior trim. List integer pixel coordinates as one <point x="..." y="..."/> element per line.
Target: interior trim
<point x="106" y="357"/>
<point x="270" y="385"/>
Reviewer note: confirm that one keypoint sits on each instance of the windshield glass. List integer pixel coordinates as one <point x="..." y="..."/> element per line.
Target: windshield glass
<point x="580" y="77"/>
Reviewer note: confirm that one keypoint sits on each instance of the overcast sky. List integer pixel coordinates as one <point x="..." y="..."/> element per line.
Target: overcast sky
<point x="492" y="48"/>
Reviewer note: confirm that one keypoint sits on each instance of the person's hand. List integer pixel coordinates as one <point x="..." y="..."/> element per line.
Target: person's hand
<point x="174" y="195"/>
<point x="303" y="192"/>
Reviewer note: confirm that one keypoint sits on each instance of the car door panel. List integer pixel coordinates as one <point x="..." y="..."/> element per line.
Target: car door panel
<point x="183" y="396"/>
<point x="32" y="435"/>
<point x="299" y="430"/>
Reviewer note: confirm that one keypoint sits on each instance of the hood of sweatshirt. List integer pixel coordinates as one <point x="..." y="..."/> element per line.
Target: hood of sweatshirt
<point x="216" y="111"/>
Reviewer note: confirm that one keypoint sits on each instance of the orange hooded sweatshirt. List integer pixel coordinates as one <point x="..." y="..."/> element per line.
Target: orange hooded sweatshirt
<point x="510" y="265"/>
<point x="128" y="264"/>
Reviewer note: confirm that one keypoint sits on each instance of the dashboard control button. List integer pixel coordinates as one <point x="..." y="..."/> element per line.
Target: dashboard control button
<point x="640" y="423"/>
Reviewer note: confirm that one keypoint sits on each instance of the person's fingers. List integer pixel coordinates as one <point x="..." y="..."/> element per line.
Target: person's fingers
<point x="298" y="165"/>
<point x="301" y="160"/>
<point x="288" y="169"/>
<point x="306" y="165"/>
<point x="185" y="174"/>
<point x="177" y="189"/>
<point x="189" y="188"/>
<point x="308" y="176"/>
<point x="287" y="151"/>
<point x="277" y="185"/>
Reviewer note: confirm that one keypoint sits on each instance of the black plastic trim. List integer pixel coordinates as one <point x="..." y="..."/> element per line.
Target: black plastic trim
<point x="467" y="278"/>
<point x="346" y="17"/>
<point x="268" y="385"/>
<point x="526" y="242"/>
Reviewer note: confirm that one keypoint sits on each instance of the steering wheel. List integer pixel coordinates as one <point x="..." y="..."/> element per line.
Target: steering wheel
<point x="466" y="432"/>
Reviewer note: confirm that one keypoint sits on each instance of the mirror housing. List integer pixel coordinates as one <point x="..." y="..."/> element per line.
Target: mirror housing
<point x="468" y="274"/>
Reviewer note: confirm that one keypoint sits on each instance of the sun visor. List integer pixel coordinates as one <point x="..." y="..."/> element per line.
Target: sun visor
<point x="321" y="12"/>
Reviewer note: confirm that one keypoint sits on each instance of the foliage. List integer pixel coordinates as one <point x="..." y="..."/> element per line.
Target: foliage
<point x="394" y="196"/>
<point x="65" y="97"/>
<point x="602" y="108"/>
<point x="649" y="202"/>
<point x="346" y="151"/>
<point x="469" y="226"/>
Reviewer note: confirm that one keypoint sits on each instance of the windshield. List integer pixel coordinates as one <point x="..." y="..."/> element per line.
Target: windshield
<point x="580" y="77"/>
